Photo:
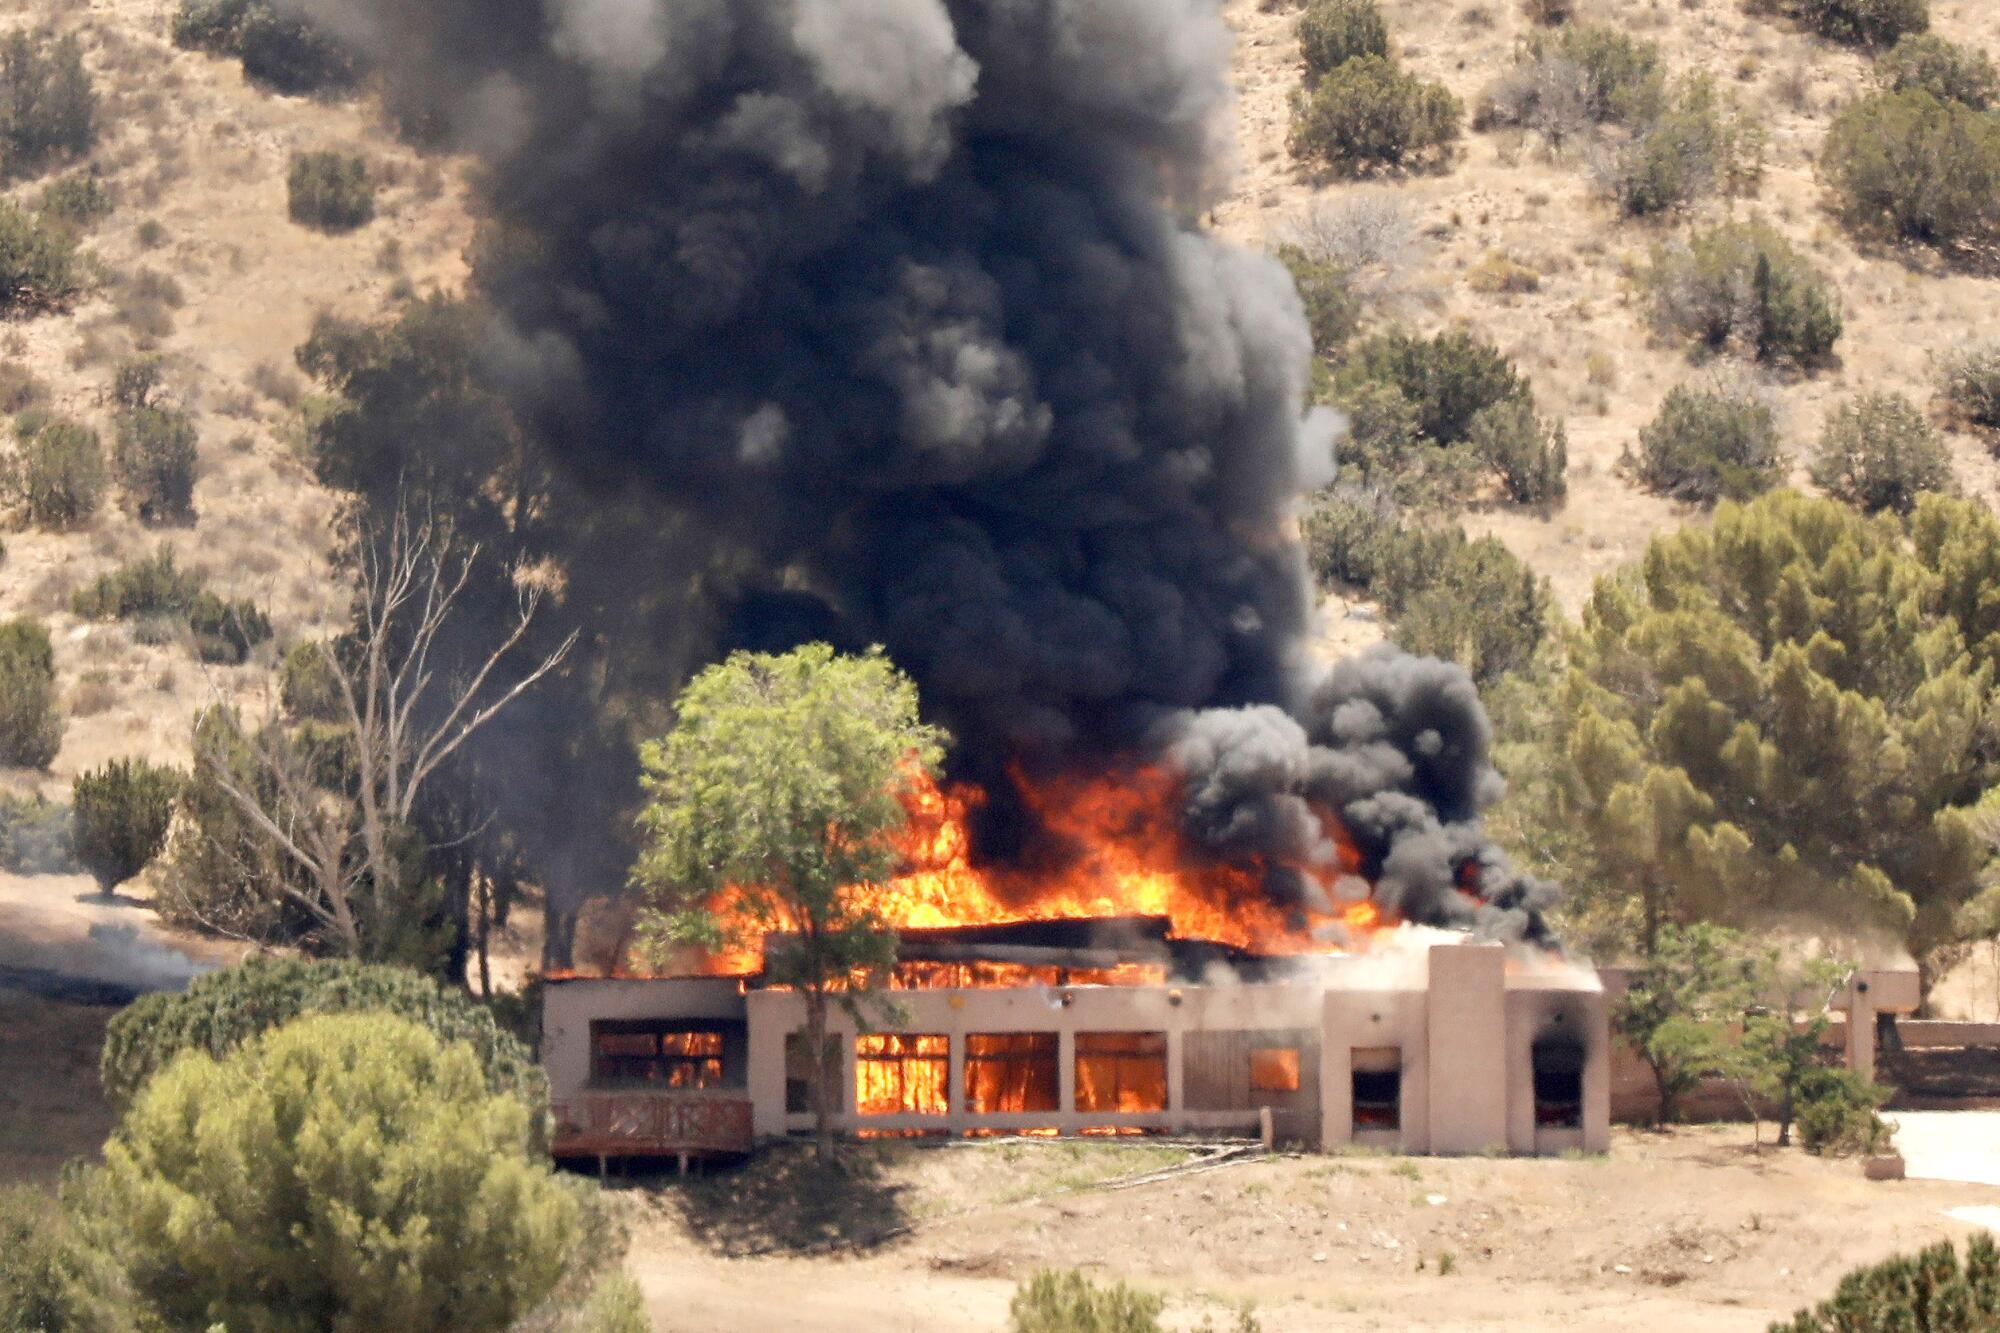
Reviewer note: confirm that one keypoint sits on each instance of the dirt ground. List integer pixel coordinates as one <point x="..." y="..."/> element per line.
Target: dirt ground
<point x="1691" y="1229"/>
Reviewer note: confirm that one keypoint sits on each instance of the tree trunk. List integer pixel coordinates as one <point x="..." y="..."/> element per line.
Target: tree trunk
<point x="1785" y="1118"/>
<point x="485" y="933"/>
<point x="1665" y="1088"/>
<point x="822" y="1094"/>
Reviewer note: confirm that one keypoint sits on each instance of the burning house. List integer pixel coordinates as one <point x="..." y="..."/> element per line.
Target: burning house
<point x="1130" y="995"/>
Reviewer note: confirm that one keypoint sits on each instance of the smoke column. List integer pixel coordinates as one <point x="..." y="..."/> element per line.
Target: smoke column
<point x="903" y="302"/>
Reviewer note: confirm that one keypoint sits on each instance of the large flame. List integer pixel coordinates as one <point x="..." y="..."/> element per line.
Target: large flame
<point x="1130" y="859"/>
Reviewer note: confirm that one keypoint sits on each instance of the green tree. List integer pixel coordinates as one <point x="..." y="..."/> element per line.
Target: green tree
<point x="344" y="1172"/>
<point x="31" y="723"/>
<point x="48" y="110"/>
<point x="780" y="788"/>
<point x="119" y="817"/>
<point x="1945" y="70"/>
<point x="51" y="1281"/>
<point x="1780" y="1051"/>
<point x="1710" y="442"/>
<point x="1742" y="285"/>
<point x="1679" y="1010"/>
<point x="1927" y="1292"/>
<point x="1788" y="711"/>
<point x="1065" y="1301"/>
<point x="1880" y="452"/>
<point x="155" y="460"/>
<point x="1906" y="164"/>
<point x="1370" y="113"/>
<point x="1333" y="32"/>
<point x="58" y="477"/>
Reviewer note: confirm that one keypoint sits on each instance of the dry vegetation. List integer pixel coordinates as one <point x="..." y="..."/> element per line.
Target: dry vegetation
<point x="1516" y="243"/>
<point x="200" y="263"/>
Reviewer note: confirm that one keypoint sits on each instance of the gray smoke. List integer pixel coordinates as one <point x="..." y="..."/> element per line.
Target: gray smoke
<point x="902" y="303"/>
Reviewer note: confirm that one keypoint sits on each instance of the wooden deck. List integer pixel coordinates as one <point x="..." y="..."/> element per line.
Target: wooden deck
<point x="652" y="1124"/>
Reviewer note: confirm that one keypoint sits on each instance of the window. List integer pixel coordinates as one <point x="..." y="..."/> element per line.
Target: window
<point x="1377" y="1088"/>
<point x="1011" y="1071"/>
<point x="655" y="1055"/>
<point x="799" y="1072"/>
<point x="1558" y="1072"/>
<point x="1274" y="1068"/>
<point x="1121" y="1071"/>
<point x="901" y="1074"/>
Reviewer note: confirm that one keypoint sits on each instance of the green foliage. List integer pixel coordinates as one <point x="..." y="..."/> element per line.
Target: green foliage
<point x="331" y="191"/>
<point x="781" y="786"/>
<point x="1968" y="384"/>
<point x="31" y="723"/>
<point x="1718" y="442"/>
<point x="1906" y="164"/>
<point x="48" y="110"/>
<point x="154" y="586"/>
<point x="34" y="837"/>
<point x="1530" y="454"/>
<point x="285" y="52"/>
<point x="119" y="817"/>
<point x="1449" y="379"/>
<point x="1446" y="595"/>
<point x="1928" y="1292"/>
<point x="223" y="1010"/>
<point x="1787" y="711"/>
<point x="39" y="269"/>
<point x="155" y="462"/>
<point x="1333" y="308"/>
<point x="1678" y="1010"/>
<point x="76" y="202"/>
<point x="1836" y="1110"/>
<point x="1944" y="69"/>
<point x="217" y="864"/>
<point x="1701" y="143"/>
<point x="1864" y="22"/>
<point x="1065" y="1301"/>
<point x="1587" y="74"/>
<point x="135" y="380"/>
<point x="225" y="632"/>
<point x="1371" y="113"/>
<point x="50" y="1280"/>
<point x="1880" y="452"/>
<point x="1333" y="32"/>
<point x="57" y="477"/>
<point x="345" y="1171"/>
<point x="1742" y="286"/>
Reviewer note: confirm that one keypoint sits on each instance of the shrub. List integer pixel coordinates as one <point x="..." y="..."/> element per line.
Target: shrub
<point x="76" y="203"/>
<point x="58" y="476"/>
<point x="1563" y="83"/>
<point x="1709" y="444"/>
<point x="148" y="587"/>
<point x="1333" y="310"/>
<point x="1741" y="285"/>
<point x="282" y="51"/>
<point x="20" y="388"/>
<point x="155" y="460"/>
<point x="119" y="816"/>
<point x="1700" y="143"/>
<point x="135" y="381"/>
<point x="226" y="632"/>
<point x="350" y="1165"/>
<point x="1865" y="22"/>
<point x="1836" y="1111"/>
<point x="1548" y="12"/>
<point x="1945" y="70"/>
<point x="38" y="264"/>
<point x="1530" y="455"/>
<point x="1333" y="32"/>
<point x="221" y="1011"/>
<point x="50" y="1280"/>
<point x="1450" y="379"/>
<point x="1065" y="1301"/>
<point x="1370" y="113"/>
<point x="1879" y="452"/>
<point x="34" y="837"/>
<point x="1907" y="164"/>
<point x="31" y="724"/>
<point x="48" y="110"/>
<point x="1968" y="384"/>
<point x="1927" y="1292"/>
<point x="331" y="191"/>
<point x="210" y="25"/>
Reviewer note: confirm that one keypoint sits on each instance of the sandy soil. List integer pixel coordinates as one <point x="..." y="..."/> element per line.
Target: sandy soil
<point x="1687" y="1230"/>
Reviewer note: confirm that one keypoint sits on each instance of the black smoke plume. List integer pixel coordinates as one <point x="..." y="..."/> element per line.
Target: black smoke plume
<point x="890" y="321"/>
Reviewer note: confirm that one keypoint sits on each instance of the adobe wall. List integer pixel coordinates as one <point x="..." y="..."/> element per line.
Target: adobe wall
<point x="569" y="1007"/>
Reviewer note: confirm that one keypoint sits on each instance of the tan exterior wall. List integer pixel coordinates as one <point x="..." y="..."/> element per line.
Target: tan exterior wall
<point x="569" y="1007"/>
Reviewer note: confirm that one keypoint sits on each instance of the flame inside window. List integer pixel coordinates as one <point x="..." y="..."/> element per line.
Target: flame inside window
<point x="1274" y="1068"/>
<point x="655" y="1056"/>
<point x="1121" y="1071"/>
<point x="1011" y="1071"/>
<point x="899" y="1073"/>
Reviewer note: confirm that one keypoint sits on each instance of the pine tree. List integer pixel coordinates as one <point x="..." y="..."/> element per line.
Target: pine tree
<point x="120" y="815"/>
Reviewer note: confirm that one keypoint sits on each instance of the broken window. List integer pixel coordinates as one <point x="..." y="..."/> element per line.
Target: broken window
<point x="1011" y="1071"/>
<point x="1274" y="1068"/>
<point x="655" y="1055"/>
<point x="1558" y="1073"/>
<point x="1377" y="1087"/>
<point x="898" y="1073"/>
<point x="1121" y="1071"/>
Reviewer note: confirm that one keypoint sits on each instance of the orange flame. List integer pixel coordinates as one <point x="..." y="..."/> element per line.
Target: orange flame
<point x="1131" y="859"/>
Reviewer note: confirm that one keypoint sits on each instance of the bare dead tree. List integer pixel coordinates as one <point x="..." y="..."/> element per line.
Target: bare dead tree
<point x="402" y="721"/>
